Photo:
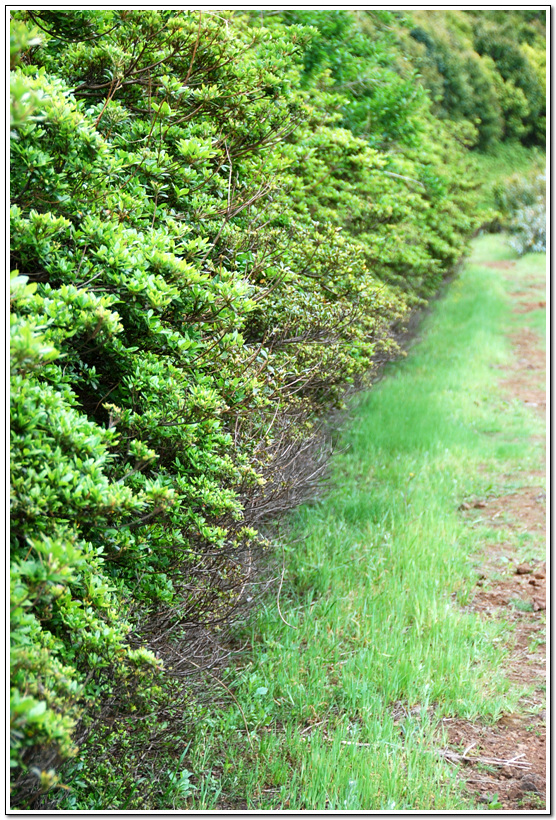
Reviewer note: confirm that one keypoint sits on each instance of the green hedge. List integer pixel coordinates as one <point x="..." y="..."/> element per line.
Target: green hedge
<point x="207" y="249"/>
<point x="486" y="67"/>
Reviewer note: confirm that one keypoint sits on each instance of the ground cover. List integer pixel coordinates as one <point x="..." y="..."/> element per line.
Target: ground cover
<point x="512" y="566"/>
<point x="389" y="667"/>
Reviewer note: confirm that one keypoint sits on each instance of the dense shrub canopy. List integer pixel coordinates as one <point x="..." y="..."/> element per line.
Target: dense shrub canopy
<point x="487" y="67"/>
<point x="217" y="220"/>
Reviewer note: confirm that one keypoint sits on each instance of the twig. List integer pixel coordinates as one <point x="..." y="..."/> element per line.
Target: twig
<point x="454" y="757"/>
<point x="229" y="179"/>
<point x="92" y="279"/>
<point x="106" y="396"/>
<point x="355" y="743"/>
<point x="194" y="49"/>
<point x="280" y="590"/>
<point x="115" y="85"/>
<point x="401" y="176"/>
<point x="155" y="207"/>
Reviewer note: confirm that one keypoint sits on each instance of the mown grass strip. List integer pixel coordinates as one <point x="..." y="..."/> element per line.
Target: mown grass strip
<point x="345" y="706"/>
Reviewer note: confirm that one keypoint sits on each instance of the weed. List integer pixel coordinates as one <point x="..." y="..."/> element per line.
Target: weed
<point x="535" y="641"/>
<point x="494" y="803"/>
<point x="485" y="767"/>
<point x="532" y="800"/>
<point x="521" y="605"/>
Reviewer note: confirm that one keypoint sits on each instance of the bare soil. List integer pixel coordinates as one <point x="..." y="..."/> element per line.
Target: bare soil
<point x="505" y="764"/>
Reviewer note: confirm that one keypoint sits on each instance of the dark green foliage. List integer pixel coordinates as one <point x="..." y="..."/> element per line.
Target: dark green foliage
<point x="216" y="222"/>
<point x="485" y="67"/>
<point x="525" y="112"/>
<point x="357" y="51"/>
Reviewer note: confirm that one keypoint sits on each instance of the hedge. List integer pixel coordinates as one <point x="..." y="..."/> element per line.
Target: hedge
<point x="215" y="231"/>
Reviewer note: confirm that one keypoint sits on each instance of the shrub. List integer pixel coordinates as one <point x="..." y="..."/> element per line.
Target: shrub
<point x="529" y="229"/>
<point x="522" y="202"/>
<point x="485" y="68"/>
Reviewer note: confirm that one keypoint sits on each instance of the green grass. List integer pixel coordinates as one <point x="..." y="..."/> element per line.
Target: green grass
<point x="375" y="644"/>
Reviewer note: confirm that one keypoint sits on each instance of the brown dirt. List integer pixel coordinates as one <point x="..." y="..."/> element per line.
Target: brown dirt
<point x="522" y="511"/>
<point x="506" y="588"/>
<point x="503" y="264"/>
<point x="527" y="380"/>
<point x="529" y="306"/>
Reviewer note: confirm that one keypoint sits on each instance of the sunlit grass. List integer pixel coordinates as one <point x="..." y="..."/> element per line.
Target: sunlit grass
<point x="344" y="694"/>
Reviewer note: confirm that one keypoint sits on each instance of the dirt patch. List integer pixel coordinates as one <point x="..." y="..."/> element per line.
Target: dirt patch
<point x="524" y="592"/>
<point x="529" y="395"/>
<point x="530" y="306"/>
<point x="502" y="264"/>
<point x="504" y="765"/>
<point x="525" y="343"/>
<point x="526" y="382"/>
<point x="522" y="511"/>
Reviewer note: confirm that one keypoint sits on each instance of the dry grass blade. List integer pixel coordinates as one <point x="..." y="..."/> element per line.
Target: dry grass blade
<point x="454" y="757"/>
<point x="466" y="752"/>
<point x="312" y="727"/>
<point x="280" y="590"/>
<point x="355" y="743"/>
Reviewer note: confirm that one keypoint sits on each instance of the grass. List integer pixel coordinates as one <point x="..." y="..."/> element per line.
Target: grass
<point x="345" y="687"/>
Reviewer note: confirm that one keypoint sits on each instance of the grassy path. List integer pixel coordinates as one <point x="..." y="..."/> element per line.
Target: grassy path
<point x="350" y="689"/>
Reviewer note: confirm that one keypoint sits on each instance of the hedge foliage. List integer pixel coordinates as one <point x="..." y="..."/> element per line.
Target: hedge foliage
<point x="487" y="67"/>
<point x="217" y="220"/>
